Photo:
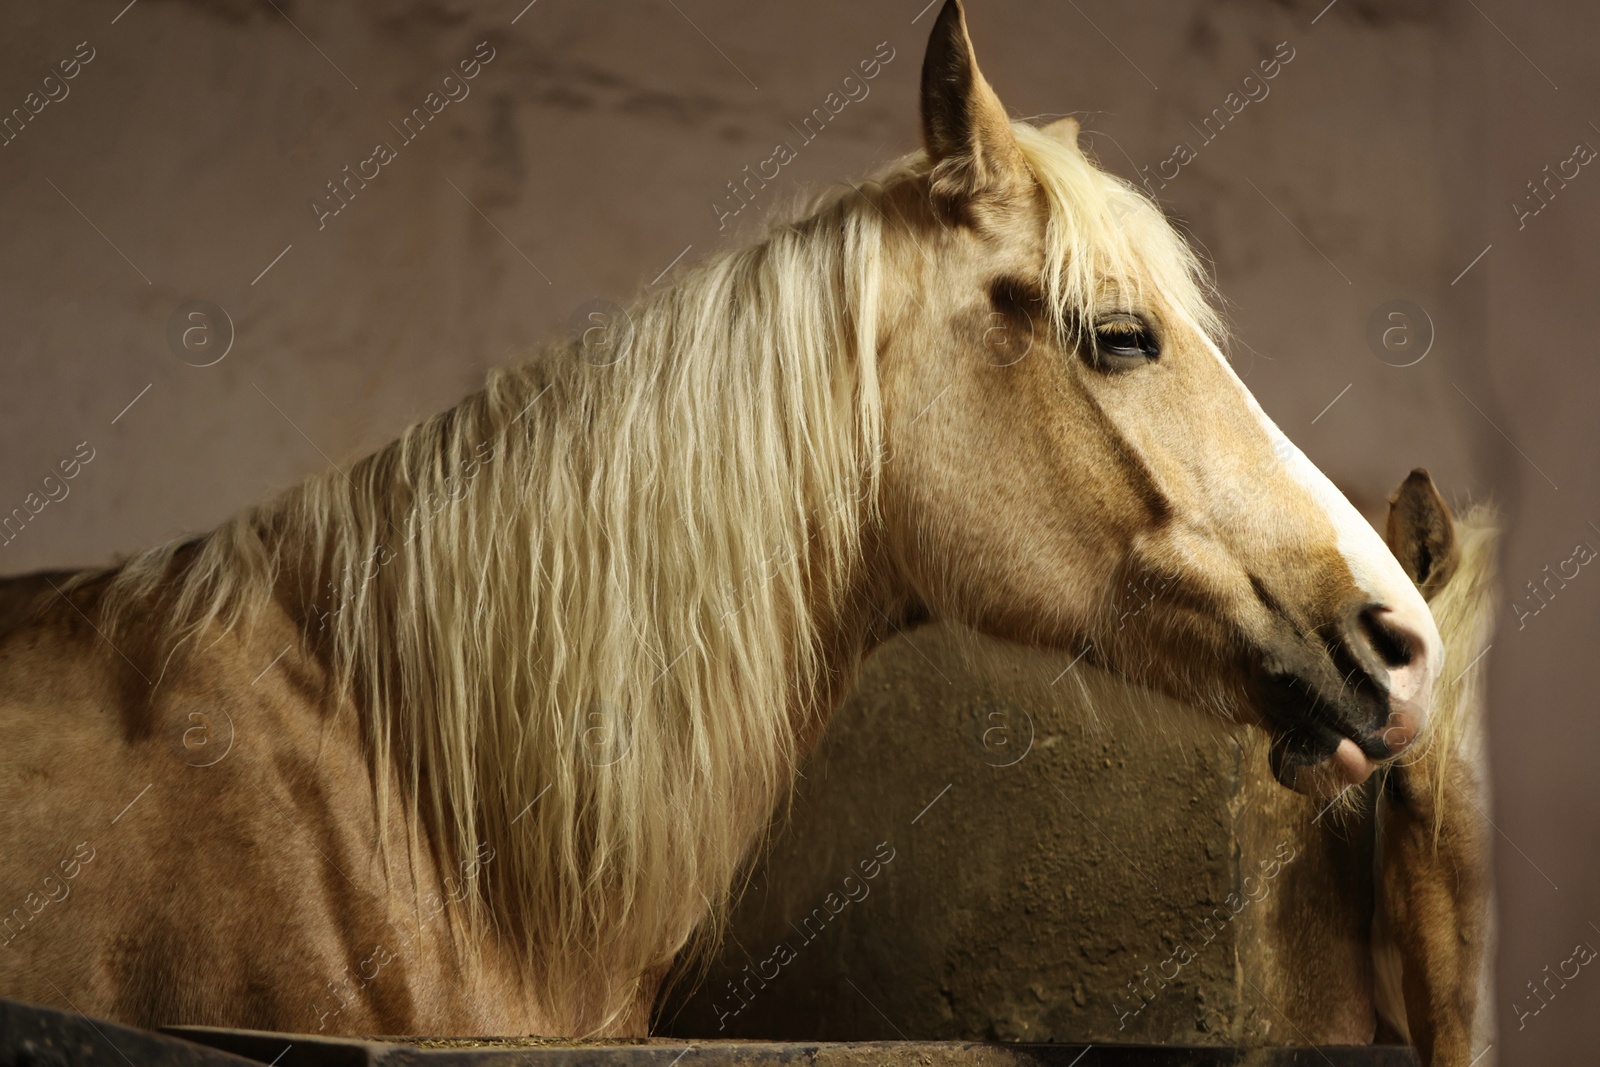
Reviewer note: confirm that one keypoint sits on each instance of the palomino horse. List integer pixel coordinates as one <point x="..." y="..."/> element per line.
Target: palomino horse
<point x="1432" y="929"/>
<point x="508" y="701"/>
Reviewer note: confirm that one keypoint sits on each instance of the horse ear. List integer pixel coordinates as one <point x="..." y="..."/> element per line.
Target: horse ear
<point x="1422" y="533"/>
<point x="964" y="125"/>
<point x="1064" y="130"/>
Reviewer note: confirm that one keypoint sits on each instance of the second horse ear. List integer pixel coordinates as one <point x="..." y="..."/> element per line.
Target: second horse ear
<point x="964" y="126"/>
<point x="1421" y="533"/>
<point x="1064" y="130"/>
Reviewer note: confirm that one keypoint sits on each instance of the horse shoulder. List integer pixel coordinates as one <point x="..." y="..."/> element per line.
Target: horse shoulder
<point x="203" y="830"/>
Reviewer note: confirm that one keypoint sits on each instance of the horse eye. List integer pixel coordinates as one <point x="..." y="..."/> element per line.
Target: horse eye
<point x="1123" y="342"/>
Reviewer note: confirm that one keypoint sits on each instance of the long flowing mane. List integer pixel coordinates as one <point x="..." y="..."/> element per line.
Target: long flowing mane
<point x="578" y="610"/>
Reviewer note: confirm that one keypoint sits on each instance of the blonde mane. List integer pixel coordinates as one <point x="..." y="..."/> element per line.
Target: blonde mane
<point x="579" y="610"/>
<point x="1464" y="613"/>
<point x="1102" y="230"/>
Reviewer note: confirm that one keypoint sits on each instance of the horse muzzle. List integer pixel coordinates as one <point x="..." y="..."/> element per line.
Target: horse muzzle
<point x="1364" y="701"/>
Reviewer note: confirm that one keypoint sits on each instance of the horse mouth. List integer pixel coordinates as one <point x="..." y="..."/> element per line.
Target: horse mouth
<point x="1316" y="748"/>
<point x="1313" y="758"/>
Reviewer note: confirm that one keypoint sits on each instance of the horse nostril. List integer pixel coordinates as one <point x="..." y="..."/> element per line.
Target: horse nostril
<point x="1394" y="646"/>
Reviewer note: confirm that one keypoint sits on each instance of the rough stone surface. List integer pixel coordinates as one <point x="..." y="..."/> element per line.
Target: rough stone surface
<point x="1057" y="838"/>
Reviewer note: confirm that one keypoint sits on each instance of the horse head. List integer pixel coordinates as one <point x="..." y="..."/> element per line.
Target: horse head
<point x="1072" y="463"/>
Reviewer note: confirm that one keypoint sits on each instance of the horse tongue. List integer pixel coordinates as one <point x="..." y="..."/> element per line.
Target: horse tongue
<point x="1347" y="765"/>
<point x="1353" y="764"/>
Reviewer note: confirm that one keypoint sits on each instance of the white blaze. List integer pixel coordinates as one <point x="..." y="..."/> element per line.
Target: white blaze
<point x="1372" y="565"/>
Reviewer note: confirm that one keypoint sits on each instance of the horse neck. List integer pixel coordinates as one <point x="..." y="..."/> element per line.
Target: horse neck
<point x="876" y="606"/>
<point x="417" y="642"/>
